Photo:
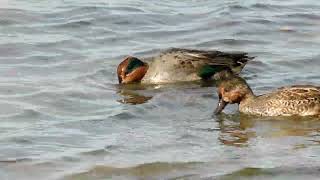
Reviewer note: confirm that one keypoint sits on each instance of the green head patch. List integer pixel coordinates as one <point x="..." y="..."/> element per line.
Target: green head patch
<point x="133" y="64"/>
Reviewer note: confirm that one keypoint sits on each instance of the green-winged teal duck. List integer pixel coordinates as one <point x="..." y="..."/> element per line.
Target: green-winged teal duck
<point x="302" y="100"/>
<point x="179" y="65"/>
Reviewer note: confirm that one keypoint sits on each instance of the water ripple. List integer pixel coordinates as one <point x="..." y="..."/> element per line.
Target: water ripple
<point x="63" y="114"/>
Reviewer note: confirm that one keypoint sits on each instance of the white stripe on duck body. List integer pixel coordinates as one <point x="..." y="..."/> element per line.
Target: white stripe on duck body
<point x="301" y="100"/>
<point x="177" y="64"/>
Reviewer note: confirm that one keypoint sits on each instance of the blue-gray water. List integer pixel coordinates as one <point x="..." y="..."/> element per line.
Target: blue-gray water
<point x="63" y="116"/>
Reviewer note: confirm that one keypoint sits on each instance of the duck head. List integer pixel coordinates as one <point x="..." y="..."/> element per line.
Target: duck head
<point x="230" y="91"/>
<point x="131" y="69"/>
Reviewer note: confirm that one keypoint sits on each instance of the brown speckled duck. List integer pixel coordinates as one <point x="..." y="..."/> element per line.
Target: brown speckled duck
<point x="176" y="64"/>
<point x="302" y="100"/>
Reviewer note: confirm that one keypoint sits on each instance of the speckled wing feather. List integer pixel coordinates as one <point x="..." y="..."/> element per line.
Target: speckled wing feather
<point x="188" y="65"/>
<point x="307" y="93"/>
<point x="300" y="99"/>
<point x="197" y="58"/>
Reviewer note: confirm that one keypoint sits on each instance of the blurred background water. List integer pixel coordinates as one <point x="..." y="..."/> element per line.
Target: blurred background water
<point x="63" y="116"/>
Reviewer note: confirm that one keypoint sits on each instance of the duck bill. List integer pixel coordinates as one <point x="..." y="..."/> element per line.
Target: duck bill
<point x="221" y="105"/>
<point x="119" y="79"/>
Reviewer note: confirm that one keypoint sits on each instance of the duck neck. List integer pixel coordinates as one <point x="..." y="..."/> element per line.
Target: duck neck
<point x="147" y="75"/>
<point x="248" y="99"/>
<point x="249" y="95"/>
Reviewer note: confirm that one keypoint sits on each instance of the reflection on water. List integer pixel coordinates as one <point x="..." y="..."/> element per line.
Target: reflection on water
<point x="141" y="93"/>
<point x="238" y="129"/>
<point x="129" y="94"/>
<point x="234" y="132"/>
<point x="133" y="98"/>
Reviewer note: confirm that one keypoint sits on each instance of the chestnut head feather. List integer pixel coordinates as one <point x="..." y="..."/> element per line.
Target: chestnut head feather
<point x="131" y="69"/>
<point x="231" y="89"/>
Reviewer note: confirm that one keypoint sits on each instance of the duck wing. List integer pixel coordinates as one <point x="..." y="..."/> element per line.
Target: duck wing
<point x="298" y="99"/>
<point x="206" y="62"/>
<point x="300" y="92"/>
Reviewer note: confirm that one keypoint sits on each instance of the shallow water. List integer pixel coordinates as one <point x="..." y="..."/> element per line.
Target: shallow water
<point x="63" y="116"/>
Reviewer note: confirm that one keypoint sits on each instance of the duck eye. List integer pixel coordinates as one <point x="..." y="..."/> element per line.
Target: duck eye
<point x="227" y="89"/>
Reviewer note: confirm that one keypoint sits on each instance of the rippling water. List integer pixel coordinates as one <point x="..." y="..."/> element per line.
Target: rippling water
<point x="63" y="116"/>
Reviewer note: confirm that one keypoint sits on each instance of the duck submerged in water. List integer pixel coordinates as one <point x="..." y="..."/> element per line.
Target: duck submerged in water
<point x="302" y="100"/>
<point x="177" y="64"/>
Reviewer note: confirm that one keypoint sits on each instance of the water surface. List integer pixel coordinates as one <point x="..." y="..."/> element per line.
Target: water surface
<point x="63" y="116"/>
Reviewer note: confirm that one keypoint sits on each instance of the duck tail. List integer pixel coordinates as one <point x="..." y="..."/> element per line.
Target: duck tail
<point x="240" y="62"/>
